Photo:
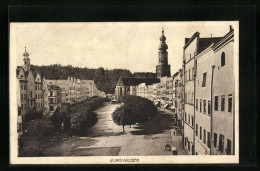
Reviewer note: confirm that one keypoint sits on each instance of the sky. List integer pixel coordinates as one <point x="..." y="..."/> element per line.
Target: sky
<point x="121" y="45"/>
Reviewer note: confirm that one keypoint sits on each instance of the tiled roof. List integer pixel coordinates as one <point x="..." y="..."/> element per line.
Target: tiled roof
<point x="204" y="43"/>
<point x="135" y="81"/>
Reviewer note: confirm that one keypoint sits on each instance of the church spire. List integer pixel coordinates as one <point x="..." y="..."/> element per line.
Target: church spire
<point x="163" y="68"/>
<point x="26" y="60"/>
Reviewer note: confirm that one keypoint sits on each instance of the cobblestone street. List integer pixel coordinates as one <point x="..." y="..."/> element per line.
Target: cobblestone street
<point x="142" y="139"/>
<point x="105" y="138"/>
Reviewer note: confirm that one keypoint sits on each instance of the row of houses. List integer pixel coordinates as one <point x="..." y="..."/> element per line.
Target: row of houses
<point x="36" y="94"/>
<point x="201" y="94"/>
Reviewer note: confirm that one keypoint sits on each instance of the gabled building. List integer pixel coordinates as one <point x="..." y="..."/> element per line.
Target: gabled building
<point x="128" y="86"/>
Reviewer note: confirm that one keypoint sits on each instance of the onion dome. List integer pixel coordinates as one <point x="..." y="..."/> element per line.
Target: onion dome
<point x="25" y="54"/>
<point x="162" y="38"/>
<point x="163" y="45"/>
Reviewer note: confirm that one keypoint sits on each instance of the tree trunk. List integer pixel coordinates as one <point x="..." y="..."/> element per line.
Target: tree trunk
<point x="123" y="128"/>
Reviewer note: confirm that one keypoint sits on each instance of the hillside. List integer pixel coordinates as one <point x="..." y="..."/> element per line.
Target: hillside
<point x="104" y="79"/>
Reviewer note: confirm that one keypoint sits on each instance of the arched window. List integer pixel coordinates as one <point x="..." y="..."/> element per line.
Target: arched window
<point x="223" y="59"/>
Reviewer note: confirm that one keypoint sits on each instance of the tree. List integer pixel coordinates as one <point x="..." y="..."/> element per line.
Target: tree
<point x="123" y="116"/>
<point x="142" y="109"/>
<point x="59" y="114"/>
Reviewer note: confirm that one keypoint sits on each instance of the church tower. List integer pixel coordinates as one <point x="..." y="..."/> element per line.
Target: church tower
<point x="163" y="69"/>
<point x="26" y="60"/>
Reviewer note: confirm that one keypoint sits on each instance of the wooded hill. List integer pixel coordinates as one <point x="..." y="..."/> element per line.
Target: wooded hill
<point x="105" y="79"/>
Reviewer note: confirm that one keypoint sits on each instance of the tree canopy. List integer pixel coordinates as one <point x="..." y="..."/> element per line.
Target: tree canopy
<point x="134" y="110"/>
<point x="105" y="79"/>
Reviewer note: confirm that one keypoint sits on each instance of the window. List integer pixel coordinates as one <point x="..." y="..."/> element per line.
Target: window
<point x="21" y="87"/>
<point x="200" y="104"/>
<point x="192" y="98"/>
<point x="200" y="132"/>
<point x="230" y="103"/>
<point x="208" y="143"/>
<point x="228" y="147"/>
<point x="215" y="139"/>
<point x="196" y="104"/>
<point x="204" y="106"/>
<point x="216" y="103"/>
<point x="192" y="121"/>
<point x="24" y="87"/>
<point x="223" y="103"/>
<point x="204" y="136"/>
<point x="189" y="118"/>
<point x="204" y="79"/>
<point x="196" y="128"/>
<point x="209" y="109"/>
<point x="31" y="94"/>
<point x="188" y="146"/>
<point x="51" y="108"/>
<point x="21" y="96"/>
<point x="51" y="93"/>
<point x="223" y="59"/>
<point x="190" y="55"/>
<point x="192" y="73"/>
<point x="185" y="116"/>
<point x="186" y="76"/>
<point x="221" y="142"/>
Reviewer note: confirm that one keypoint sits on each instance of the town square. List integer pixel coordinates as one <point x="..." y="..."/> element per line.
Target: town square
<point x="125" y="89"/>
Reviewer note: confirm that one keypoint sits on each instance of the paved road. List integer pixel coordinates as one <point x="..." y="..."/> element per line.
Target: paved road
<point x="106" y="138"/>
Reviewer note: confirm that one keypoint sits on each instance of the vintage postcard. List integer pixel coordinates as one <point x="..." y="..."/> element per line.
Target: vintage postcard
<point x="124" y="92"/>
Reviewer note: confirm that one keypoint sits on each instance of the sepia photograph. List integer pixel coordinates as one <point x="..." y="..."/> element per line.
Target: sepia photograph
<point x="124" y="92"/>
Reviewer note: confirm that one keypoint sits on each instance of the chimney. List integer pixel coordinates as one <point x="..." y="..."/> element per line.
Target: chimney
<point x="231" y="28"/>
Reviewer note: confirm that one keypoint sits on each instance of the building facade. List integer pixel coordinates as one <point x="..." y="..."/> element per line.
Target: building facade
<point x="31" y="94"/>
<point x="208" y="110"/>
<point x="189" y="51"/>
<point x="178" y="96"/>
<point x="203" y="94"/>
<point x="163" y="69"/>
<point x="52" y="98"/>
<point x="223" y="118"/>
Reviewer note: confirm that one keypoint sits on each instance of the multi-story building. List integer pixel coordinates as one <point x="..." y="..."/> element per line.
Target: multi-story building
<point x="142" y="90"/>
<point x="223" y="118"/>
<point x="74" y="89"/>
<point x="19" y="116"/>
<point x="31" y="95"/>
<point x="166" y="89"/>
<point x="178" y="95"/>
<point x="22" y="91"/>
<point x="193" y="46"/>
<point x="38" y="92"/>
<point x="203" y="93"/>
<point x="52" y="98"/>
